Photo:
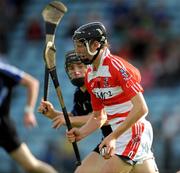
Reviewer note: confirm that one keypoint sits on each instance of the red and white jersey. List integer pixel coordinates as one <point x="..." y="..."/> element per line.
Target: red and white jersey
<point x="112" y="86"/>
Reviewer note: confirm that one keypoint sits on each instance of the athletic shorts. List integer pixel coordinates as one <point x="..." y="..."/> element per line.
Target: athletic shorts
<point x="136" y="142"/>
<point x="8" y="135"/>
<point x="134" y="145"/>
<point x="124" y="158"/>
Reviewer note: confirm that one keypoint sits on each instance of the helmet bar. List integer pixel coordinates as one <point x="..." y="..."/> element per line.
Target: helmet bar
<point x="91" y="53"/>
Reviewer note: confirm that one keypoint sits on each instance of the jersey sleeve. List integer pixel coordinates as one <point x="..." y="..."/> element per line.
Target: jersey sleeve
<point x="128" y="77"/>
<point x="12" y="73"/>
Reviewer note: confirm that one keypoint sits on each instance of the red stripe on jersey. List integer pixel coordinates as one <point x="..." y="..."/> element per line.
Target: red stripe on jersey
<point x="118" y="62"/>
<point x="119" y="122"/>
<point x="133" y="145"/>
<point x="121" y="63"/>
<point x="110" y="117"/>
<point x="117" y="65"/>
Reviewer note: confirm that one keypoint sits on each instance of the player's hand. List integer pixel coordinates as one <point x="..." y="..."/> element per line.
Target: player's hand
<point x="107" y="146"/>
<point x="30" y="120"/>
<point x="58" y="121"/>
<point x="47" y="109"/>
<point x="73" y="135"/>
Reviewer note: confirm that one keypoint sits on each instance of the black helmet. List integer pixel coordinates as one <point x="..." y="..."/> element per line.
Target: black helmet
<point x="93" y="30"/>
<point x="86" y="33"/>
<point x="70" y="58"/>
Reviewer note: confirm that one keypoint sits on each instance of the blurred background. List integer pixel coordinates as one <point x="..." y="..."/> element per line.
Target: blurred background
<point x="146" y="33"/>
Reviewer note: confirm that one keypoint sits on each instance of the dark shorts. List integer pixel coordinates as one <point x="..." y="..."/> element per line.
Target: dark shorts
<point x="96" y="149"/>
<point x="124" y="158"/>
<point x="8" y="136"/>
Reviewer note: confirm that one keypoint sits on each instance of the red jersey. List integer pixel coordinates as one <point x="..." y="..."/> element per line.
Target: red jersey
<point x="112" y="86"/>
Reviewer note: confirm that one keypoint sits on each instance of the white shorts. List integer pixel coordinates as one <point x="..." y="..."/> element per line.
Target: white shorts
<point x="136" y="142"/>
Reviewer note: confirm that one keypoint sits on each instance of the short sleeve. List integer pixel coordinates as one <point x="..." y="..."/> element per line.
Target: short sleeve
<point x="14" y="74"/>
<point x="128" y="77"/>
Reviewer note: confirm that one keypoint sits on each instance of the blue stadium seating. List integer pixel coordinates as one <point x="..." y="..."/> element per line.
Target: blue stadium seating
<point x="28" y="56"/>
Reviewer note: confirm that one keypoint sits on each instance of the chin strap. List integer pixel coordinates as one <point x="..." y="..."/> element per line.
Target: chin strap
<point x="94" y="54"/>
<point x="87" y="46"/>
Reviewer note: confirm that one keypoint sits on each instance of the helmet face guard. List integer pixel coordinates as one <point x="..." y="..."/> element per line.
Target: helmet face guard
<point x="72" y="58"/>
<point x="91" y="32"/>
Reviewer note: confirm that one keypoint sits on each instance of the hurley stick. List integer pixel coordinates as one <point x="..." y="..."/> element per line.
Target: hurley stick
<point x="50" y="60"/>
<point x="52" y="15"/>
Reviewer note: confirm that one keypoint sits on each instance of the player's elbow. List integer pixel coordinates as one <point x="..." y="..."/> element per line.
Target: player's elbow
<point x="30" y="82"/>
<point x="36" y="84"/>
<point x="103" y="119"/>
<point x="100" y="117"/>
<point x="143" y="110"/>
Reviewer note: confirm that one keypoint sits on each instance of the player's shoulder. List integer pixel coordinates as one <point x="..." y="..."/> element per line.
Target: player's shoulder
<point x="118" y="62"/>
<point x="113" y="61"/>
<point x="10" y="70"/>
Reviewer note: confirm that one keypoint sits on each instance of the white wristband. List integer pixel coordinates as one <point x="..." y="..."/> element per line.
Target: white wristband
<point x="28" y="109"/>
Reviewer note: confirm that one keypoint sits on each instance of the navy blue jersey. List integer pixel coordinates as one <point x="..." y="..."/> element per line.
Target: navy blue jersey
<point x="9" y="77"/>
<point x="82" y="103"/>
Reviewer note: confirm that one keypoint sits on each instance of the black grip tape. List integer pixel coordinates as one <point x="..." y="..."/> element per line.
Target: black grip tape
<point x="50" y="28"/>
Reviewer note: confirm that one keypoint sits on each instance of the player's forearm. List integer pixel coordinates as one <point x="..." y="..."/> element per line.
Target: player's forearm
<point x="93" y="123"/>
<point x="32" y="92"/>
<point x="79" y="120"/>
<point x="54" y="113"/>
<point x="139" y="110"/>
<point x="129" y="122"/>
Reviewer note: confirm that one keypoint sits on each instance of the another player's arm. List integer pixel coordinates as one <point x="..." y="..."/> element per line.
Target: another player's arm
<point x="80" y="120"/>
<point x="76" y="121"/>
<point x="57" y="117"/>
<point x="97" y="120"/>
<point x="48" y="110"/>
<point x="32" y="86"/>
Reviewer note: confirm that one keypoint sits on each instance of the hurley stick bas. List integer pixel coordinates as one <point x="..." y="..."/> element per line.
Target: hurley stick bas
<point x="50" y="60"/>
<point x="52" y="15"/>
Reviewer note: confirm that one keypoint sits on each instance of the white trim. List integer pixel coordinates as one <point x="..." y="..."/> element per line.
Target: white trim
<point x="119" y="108"/>
<point x="103" y="71"/>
